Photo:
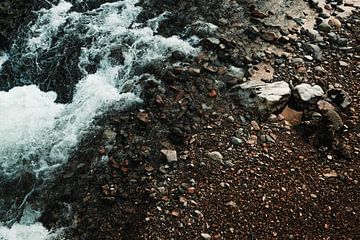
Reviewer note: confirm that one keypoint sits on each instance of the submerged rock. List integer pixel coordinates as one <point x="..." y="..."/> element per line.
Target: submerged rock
<point x="266" y="97"/>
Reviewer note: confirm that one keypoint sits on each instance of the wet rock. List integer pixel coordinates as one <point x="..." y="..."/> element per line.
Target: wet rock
<point x="307" y="92"/>
<point x="143" y="117"/>
<point x="266" y="97"/>
<point x="201" y="29"/>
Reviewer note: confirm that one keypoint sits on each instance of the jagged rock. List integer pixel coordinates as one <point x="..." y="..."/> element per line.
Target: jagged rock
<point x="315" y="50"/>
<point x="266" y="97"/>
<point x="170" y="155"/>
<point x="339" y="97"/>
<point x="307" y="92"/>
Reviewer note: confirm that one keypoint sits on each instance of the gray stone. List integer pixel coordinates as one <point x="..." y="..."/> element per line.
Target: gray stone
<point x="315" y="50"/>
<point x="236" y="141"/>
<point x="343" y="64"/>
<point x="324" y="27"/>
<point x="170" y="155"/>
<point x="206" y="236"/>
<point x="307" y="92"/>
<point x="216" y="156"/>
<point x="297" y="61"/>
<point x="266" y="97"/>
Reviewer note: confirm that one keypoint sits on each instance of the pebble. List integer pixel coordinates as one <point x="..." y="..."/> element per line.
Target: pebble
<point x="236" y="141"/>
<point x="334" y="22"/>
<point x="255" y="125"/>
<point x="170" y="155"/>
<point x="269" y="36"/>
<point x="308" y="57"/>
<point x="206" y="236"/>
<point x="297" y="61"/>
<point x="313" y="195"/>
<point x="269" y="139"/>
<point x="216" y="156"/>
<point x="162" y="190"/>
<point x="324" y="27"/>
<point x="343" y="64"/>
<point x="319" y="69"/>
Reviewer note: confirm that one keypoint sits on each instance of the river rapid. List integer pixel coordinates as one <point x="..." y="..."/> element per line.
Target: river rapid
<point x="69" y="66"/>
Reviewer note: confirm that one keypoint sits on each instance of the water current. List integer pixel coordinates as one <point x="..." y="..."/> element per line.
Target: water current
<point x="70" y="68"/>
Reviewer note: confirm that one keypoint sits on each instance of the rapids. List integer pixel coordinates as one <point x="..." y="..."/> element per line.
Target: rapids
<point x="42" y="118"/>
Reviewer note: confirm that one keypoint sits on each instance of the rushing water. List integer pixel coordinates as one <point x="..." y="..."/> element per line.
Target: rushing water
<point x="38" y="130"/>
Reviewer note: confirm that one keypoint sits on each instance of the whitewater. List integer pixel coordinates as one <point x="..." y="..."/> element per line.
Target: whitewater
<point x="37" y="132"/>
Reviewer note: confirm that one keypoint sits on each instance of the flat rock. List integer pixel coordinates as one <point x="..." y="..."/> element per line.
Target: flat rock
<point x="266" y="97"/>
<point x="170" y="155"/>
<point x="307" y="92"/>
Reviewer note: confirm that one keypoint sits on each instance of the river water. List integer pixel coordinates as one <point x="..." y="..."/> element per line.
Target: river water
<point x="101" y="53"/>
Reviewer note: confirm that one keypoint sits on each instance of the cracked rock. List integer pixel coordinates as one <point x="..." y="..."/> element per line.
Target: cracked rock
<point x="266" y="97"/>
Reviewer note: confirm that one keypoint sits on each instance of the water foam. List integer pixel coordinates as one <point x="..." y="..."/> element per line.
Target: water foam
<point x="3" y="58"/>
<point x="34" y="231"/>
<point x="47" y="24"/>
<point x="40" y="134"/>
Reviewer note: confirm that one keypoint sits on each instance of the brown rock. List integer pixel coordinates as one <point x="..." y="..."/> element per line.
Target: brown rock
<point x="325" y="106"/>
<point x="334" y="22"/>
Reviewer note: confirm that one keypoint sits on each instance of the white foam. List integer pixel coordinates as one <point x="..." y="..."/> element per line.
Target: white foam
<point x="34" y="231"/>
<point x="44" y="133"/>
<point x="3" y="58"/>
<point x="47" y="24"/>
<point x="27" y="116"/>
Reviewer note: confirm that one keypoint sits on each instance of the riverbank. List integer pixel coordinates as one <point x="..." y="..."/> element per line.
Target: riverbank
<point x="193" y="162"/>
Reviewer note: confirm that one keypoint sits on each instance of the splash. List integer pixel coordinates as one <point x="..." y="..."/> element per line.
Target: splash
<point x="39" y="134"/>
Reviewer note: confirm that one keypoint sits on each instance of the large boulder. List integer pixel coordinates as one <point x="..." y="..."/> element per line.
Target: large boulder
<point x="265" y="97"/>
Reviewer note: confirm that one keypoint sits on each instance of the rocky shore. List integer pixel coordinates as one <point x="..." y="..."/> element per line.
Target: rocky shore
<point x="257" y="137"/>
